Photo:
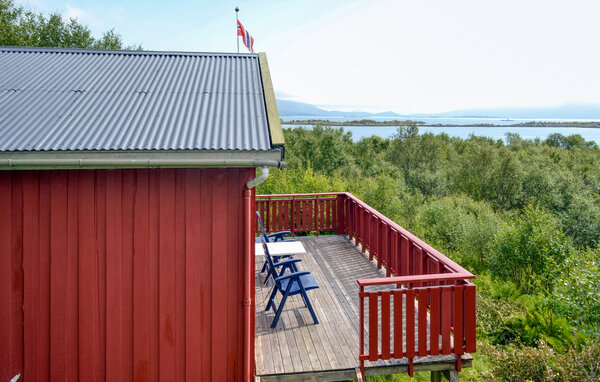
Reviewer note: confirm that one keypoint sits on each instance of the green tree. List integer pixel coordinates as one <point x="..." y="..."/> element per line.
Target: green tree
<point x="23" y="27"/>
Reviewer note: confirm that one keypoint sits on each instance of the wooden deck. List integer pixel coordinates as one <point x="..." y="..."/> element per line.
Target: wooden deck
<point x="300" y="350"/>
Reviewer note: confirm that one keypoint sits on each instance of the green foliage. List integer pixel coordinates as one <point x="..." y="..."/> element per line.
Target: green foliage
<point x="581" y="219"/>
<point x="299" y="181"/>
<point x="532" y="252"/>
<point x="323" y="149"/>
<point x="369" y="155"/>
<point x="461" y="227"/>
<point x="581" y="365"/>
<point x="490" y="172"/>
<point x="542" y="363"/>
<point x="572" y="141"/>
<point x="22" y="27"/>
<point x="496" y="310"/>
<point x="524" y="363"/>
<point x="580" y="292"/>
<point x="540" y="320"/>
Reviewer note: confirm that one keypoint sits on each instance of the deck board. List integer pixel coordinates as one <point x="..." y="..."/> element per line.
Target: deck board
<point x="297" y="345"/>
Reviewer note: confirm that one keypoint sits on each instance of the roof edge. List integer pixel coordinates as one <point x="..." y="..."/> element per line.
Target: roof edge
<point x="270" y="102"/>
<point x="121" y="51"/>
<point x="65" y="160"/>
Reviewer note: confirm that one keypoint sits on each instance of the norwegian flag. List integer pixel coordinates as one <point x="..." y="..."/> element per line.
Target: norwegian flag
<point x="248" y="40"/>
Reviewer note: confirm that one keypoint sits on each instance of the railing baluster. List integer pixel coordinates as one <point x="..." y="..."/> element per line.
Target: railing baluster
<point x="310" y="214"/>
<point x="352" y="213"/>
<point x="361" y="229"/>
<point x="328" y="208"/>
<point x="370" y="233"/>
<point x="422" y="322"/>
<point x="322" y="224"/>
<point x="410" y="323"/>
<point x="376" y="239"/>
<point x="404" y="256"/>
<point x="357" y="218"/>
<point x="385" y="324"/>
<point x="279" y="220"/>
<point x="417" y="261"/>
<point x="298" y="208"/>
<point x="387" y="250"/>
<point x="337" y="216"/>
<point x="398" y="323"/>
<point x="316" y="216"/>
<point x="304" y="211"/>
<point x="434" y="322"/>
<point x="286" y="218"/>
<point x="446" y="319"/>
<point x="369" y="228"/>
<point x="373" y="330"/>
<point x="267" y="220"/>
<point x="393" y="252"/>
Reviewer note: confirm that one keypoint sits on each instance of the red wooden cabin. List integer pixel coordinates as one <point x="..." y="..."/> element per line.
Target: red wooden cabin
<point x="123" y="197"/>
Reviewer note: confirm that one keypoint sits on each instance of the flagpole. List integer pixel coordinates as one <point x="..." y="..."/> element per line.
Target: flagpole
<point x="237" y="37"/>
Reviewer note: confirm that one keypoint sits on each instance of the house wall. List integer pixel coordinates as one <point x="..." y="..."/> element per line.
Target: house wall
<point x="122" y="274"/>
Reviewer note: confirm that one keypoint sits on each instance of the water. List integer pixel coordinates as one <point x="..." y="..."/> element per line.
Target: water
<point x="496" y="132"/>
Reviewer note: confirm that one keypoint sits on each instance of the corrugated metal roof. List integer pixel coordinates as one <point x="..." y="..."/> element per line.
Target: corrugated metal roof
<point x="75" y="99"/>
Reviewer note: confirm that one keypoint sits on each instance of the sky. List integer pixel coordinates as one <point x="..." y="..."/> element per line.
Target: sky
<point x="407" y="56"/>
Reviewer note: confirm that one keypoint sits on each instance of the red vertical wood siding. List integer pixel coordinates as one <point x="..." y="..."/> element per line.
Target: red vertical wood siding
<point x="122" y="274"/>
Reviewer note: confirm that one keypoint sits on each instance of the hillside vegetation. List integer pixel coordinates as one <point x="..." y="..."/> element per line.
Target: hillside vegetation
<point x="522" y="215"/>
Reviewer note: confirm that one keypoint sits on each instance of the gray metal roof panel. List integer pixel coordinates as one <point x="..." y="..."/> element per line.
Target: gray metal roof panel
<point x="75" y="99"/>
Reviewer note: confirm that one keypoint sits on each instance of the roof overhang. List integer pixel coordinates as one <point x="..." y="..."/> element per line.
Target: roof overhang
<point x="270" y="102"/>
<point x="52" y="160"/>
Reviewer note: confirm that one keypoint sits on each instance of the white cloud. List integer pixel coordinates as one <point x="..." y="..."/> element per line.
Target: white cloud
<point x="83" y="17"/>
<point x="118" y="13"/>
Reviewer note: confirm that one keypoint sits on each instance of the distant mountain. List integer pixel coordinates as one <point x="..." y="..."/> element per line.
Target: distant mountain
<point x="570" y="110"/>
<point x="298" y="109"/>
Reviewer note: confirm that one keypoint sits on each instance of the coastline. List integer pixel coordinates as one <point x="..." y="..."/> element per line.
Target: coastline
<point x="372" y="123"/>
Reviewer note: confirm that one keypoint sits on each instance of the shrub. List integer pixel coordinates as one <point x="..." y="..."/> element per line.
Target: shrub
<point x="461" y="227"/>
<point x="542" y="363"/>
<point x="581" y="365"/>
<point x="532" y="252"/>
<point x="580" y="292"/>
<point x="523" y="363"/>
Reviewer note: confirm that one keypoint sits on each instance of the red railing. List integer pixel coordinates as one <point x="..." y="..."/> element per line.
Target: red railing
<point x="425" y="305"/>
<point x="301" y="212"/>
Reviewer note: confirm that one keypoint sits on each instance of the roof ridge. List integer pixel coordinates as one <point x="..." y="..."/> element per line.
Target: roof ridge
<point x="27" y="49"/>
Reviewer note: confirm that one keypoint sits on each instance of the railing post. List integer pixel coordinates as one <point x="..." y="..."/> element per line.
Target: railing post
<point x="388" y="250"/>
<point x="317" y="222"/>
<point x="376" y="242"/>
<point x="340" y="229"/>
<point x="361" y="230"/>
<point x="268" y="217"/>
<point x="293" y="217"/>
<point x="350" y="219"/>
<point x="470" y="315"/>
<point x="361" y="330"/>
